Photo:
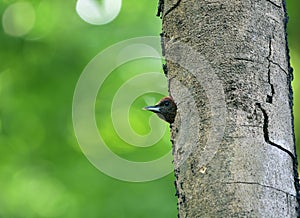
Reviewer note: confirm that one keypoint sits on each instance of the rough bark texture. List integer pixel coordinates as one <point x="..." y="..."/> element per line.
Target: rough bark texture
<point x="239" y="47"/>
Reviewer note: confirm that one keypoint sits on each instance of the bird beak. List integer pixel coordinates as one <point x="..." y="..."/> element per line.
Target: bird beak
<point x="154" y="109"/>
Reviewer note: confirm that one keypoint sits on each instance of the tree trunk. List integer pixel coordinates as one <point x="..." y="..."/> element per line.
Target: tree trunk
<point x="228" y="68"/>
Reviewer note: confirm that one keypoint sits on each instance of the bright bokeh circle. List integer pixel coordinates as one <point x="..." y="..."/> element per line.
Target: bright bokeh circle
<point x="18" y="19"/>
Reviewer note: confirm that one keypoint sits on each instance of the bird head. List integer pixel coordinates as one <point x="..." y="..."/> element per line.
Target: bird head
<point x="165" y="109"/>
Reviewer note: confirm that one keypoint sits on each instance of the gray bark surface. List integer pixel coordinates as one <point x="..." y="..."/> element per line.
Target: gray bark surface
<point x="228" y="67"/>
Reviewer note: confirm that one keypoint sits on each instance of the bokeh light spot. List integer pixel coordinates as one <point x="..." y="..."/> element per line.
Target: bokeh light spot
<point x="18" y="19"/>
<point x="92" y="12"/>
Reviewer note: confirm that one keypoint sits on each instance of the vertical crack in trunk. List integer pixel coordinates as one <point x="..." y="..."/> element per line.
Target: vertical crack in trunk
<point x="294" y="158"/>
<point x="266" y="132"/>
<point x="270" y="97"/>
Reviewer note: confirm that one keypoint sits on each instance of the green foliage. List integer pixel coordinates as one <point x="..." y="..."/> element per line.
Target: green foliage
<point x="43" y="172"/>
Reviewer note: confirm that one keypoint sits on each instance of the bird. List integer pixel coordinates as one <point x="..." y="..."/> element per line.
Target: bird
<point x="165" y="109"/>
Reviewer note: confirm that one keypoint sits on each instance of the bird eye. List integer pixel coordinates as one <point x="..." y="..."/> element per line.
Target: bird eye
<point x="167" y="103"/>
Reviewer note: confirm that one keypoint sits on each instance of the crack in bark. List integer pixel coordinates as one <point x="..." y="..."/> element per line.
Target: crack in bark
<point x="294" y="158"/>
<point x="273" y="18"/>
<point x="269" y="100"/>
<point x="270" y="97"/>
<point x="266" y="132"/>
<point x="172" y="8"/>
<point x="244" y="59"/>
<point x="273" y="3"/>
<point x="262" y="185"/>
<point x="278" y="66"/>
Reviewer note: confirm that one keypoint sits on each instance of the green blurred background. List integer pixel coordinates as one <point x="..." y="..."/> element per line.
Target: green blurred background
<point x="43" y="172"/>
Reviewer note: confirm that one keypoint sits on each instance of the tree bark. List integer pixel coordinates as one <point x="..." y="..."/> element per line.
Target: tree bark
<point x="228" y="68"/>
